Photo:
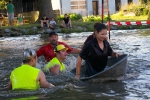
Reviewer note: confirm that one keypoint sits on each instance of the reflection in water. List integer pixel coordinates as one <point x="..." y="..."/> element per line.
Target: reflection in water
<point x="134" y="85"/>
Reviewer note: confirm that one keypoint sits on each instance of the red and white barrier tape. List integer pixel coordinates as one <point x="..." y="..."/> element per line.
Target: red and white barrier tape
<point x="130" y="23"/>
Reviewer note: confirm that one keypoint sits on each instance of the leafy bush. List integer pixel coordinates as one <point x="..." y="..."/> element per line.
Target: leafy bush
<point x="145" y="11"/>
<point x="75" y="16"/>
<point x="107" y="18"/>
<point x="72" y="16"/>
<point x="95" y="18"/>
<point x="139" y="9"/>
<point x="3" y="4"/>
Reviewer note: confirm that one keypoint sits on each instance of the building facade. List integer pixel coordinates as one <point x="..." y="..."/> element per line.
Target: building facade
<point x="83" y="7"/>
<point x="89" y="7"/>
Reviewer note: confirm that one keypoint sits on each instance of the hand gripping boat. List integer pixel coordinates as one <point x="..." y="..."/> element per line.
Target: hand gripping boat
<point x="115" y="67"/>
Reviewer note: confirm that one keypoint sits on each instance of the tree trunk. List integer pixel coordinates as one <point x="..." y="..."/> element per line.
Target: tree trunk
<point x="45" y="8"/>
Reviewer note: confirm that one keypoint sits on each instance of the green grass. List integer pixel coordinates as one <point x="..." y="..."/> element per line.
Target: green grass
<point x="114" y="17"/>
<point x="25" y="26"/>
<point x="88" y="26"/>
<point x="129" y="18"/>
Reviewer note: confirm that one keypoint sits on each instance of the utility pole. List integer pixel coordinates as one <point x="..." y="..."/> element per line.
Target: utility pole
<point x="102" y="11"/>
<point x="106" y="9"/>
<point x="108" y="19"/>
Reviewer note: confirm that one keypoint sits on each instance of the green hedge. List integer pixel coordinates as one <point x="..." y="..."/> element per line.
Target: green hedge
<point x="72" y="16"/>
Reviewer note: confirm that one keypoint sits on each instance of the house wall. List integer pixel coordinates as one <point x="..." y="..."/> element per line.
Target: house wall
<point x="81" y="12"/>
<point x="65" y="6"/>
<point x="123" y="2"/>
<point x="112" y="6"/>
<point x="135" y="1"/>
<point x="100" y="7"/>
<point x="56" y="4"/>
<point x="62" y="5"/>
<point x="89" y="7"/>
<point x="81" y="7"/>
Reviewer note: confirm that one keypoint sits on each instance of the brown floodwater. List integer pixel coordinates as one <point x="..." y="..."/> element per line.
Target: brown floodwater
<point x="135" y="85"/>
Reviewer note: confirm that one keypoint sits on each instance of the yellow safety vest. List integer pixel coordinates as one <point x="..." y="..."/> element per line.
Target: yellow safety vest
<point x="24" y="77"/>
<point x="53" y="62"/>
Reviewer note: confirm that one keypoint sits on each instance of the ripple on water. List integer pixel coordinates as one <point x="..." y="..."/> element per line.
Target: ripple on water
<point x="134" y="85"/>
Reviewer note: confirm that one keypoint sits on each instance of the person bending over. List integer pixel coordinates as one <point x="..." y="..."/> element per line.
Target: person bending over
<point x="56" y="64"/>
<point x="27" y="76"/>
<point x="95" y="53"/>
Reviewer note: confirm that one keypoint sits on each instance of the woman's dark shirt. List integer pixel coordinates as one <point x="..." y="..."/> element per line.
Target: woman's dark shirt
<point x="95" y="58"/>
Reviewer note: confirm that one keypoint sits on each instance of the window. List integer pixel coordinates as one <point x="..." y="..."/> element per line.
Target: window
<point x="78" y="4"/>
<point x="74" y="2"/>
<point x="74" y="7"/>
<point x="81" y="7"/>
<point x="82" y="2"/>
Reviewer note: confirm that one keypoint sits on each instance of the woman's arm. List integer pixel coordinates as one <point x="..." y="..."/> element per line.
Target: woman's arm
<point x="114" y="54"/>
<point x="78" y="67"/>
<point x="75" y="50"/>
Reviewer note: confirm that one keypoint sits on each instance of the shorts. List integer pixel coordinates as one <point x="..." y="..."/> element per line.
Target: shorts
<point x="10" y="16"/>
<point x="45" y="26"/>
<point x="67" y="25"/>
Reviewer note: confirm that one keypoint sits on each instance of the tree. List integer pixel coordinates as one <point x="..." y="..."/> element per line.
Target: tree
<point x="45" y="8"/>
<point x="3" y="4"/>
<point x="144" y="1"/>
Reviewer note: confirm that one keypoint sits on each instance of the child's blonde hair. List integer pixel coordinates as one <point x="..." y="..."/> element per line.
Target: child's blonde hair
<point x="19" y="15"/>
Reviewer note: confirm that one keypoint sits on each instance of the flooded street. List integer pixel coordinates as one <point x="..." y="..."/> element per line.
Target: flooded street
<point x="135" y="85"/>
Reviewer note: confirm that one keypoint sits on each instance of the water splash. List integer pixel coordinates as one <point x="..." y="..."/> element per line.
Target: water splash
<point x="134" y="85"/>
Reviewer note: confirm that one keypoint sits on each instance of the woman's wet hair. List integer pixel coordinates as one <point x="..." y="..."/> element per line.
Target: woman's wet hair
<point x="99" y="26"/>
